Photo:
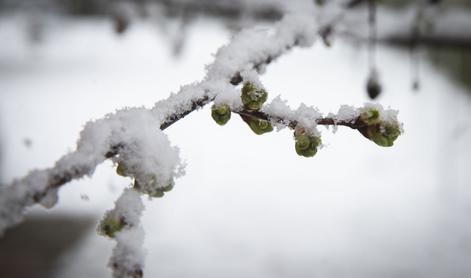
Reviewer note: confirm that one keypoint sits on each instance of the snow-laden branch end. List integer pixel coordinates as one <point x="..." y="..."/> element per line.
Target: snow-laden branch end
<point x="135" y="141"/>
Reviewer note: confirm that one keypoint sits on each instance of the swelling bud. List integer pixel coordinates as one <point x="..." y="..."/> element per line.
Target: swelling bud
<point x="258" y="126"/>
<point x="122" y="170"/>
<point x="152" y="187"/>
<point x="306" y="145"/>
<point x="252" y="98"/>
<point x="383" y="134"/>
<point x="111" y="224"/>
<point x="221" y="113"/>
<point x="370" y="116"/>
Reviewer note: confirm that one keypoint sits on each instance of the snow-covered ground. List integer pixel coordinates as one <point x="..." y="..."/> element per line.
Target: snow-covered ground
<point x="248" y="206"/>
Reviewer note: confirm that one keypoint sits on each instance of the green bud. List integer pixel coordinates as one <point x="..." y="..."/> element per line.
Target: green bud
<point x="111" y="224"/>
<point x="149" y="185"/>
<point x="258" y="126"/>
<point x="302" y="143"/>
<point x="370" y="116"/>
<point x="168" y="187"/>
<point x="221" y="113"/>
<point x="122" y="170"/>
<point x="252" y="98"/>
<point x="151" y="181"/>
<point x="159" y="192"/>
<point x="383" y="134"/>
<point x="248" y="88"/>
<point x="136" y="273"/>
<point x="306" y="145"/>
<point x="156" y="193"/>
<point x="152" y="186"/>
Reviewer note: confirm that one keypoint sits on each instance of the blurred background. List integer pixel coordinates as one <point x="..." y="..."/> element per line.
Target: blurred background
<point x="248" y="206"/>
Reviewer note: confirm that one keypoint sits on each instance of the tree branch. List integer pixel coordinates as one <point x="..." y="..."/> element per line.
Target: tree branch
<point x="101" y="140"/>
<point x="253" y="49"/>
<point x="131" y="139"/>
<point x="354" y="123"/>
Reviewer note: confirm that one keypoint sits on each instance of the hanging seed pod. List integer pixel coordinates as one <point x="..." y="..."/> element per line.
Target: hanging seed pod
<point x="252" y="98"/>
<point x="111" y="224"/>
<point x="221" y="113"/>
<point x="383" y="134"/>
<point x="416" y="85"/>
<point x="120" y="23"/>
<point x="306" y="145"/>
<point x="373" y="86"/>
<point x="258" y="126"/>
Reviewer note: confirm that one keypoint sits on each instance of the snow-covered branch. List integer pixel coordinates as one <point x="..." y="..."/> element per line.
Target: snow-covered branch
<point x="134" y="139"/>
<point x="123" y="224"/>
<point x="372" y="121"/>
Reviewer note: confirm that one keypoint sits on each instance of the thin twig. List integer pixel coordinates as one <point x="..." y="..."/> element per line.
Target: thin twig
<point x="354" y="123"/>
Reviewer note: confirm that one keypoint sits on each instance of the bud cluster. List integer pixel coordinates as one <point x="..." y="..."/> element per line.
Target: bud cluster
<point x="145" y="183"/>
<point x="221" y="113"/>
<point x="111" y="224"/>
<point x="258" y="126"/>
<point x="306" y="144"/>
<point x="383" y="133"/>
<point x="253" y="98"/>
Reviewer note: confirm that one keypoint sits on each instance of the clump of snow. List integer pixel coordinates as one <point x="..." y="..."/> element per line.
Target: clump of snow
<point x="248" y="48"/>
<point x="142" y="144"/>
<point x="129" y="205"/>
<point x="127" y="259"/>
<point x="128" y="255"/>
<point x="253" y="47"/>
<point x="179" y="103"/>
<point x="147" y="151"/>
<point x="227" y="94"/>
<point x="22" y="193"/>
<point x="280" y="109"/>
<point x="347" y="113"/>
<point x="143" y="147"/>
<point x="253" y="77"/>
<point x="307" y="117"/>
<point x="385" y="115"/>
<point x="50" y="198"/>
<point x="298" y="27"/>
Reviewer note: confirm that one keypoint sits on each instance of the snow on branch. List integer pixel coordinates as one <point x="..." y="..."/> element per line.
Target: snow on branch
<point x="373" y="121"/>
<point x="133" y="138"/>
<point x="123" y="224"/>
